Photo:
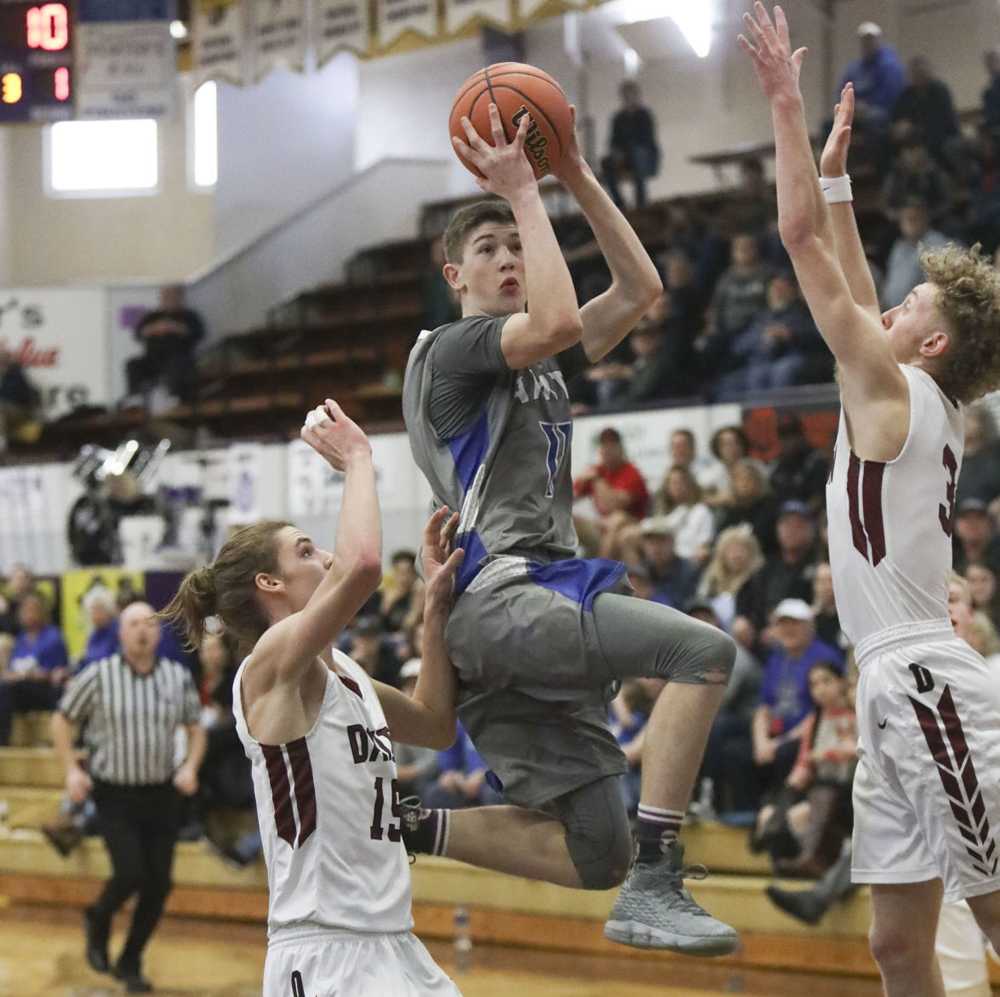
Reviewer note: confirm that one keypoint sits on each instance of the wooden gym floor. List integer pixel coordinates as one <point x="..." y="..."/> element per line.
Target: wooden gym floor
<point x="41" y="953"/>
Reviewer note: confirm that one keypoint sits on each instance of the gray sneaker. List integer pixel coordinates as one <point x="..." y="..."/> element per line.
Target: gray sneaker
<point x="655" y="911"/>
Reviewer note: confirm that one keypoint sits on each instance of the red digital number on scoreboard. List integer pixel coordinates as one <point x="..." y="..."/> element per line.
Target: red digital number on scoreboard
<point x="48" y="27"/>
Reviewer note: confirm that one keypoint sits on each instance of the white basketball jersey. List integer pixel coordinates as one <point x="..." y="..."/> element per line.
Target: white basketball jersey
<point x="890" y="524"/>
<point x="327" y="806"/>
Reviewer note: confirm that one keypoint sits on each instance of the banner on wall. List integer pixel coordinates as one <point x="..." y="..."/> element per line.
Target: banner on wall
<point x="245" y="469"/>
<point x="126" y="60"/>
<point x="219" y="38"/>
<point x="458" y="13"/>
<point x="278" y="36"/>
<point x="394" y="17"/>
<point x="530" y="7"/>
<point x="60" y="337"/>
<point x="340" y="24"/>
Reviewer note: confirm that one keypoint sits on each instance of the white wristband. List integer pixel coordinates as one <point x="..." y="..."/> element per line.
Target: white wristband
<point x="836" y="190"/>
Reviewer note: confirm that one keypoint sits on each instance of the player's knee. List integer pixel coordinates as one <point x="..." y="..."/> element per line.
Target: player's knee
<point x="715" y="657"/>
<point x="601" y="854"/>
<point x="893" y="946"/>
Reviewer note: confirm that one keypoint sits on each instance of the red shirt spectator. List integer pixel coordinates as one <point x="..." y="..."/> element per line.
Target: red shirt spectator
<point x="613" y="483"/>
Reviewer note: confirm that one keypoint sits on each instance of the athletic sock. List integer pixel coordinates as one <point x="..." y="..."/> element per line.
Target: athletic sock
<point x="428" y="834"/>
<point x="657" y="831"/>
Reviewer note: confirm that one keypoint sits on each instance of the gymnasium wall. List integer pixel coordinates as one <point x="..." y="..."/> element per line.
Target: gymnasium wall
<point x="287" y="140"/>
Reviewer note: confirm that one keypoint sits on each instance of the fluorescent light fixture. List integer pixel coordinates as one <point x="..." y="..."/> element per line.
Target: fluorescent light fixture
<point x="178" y="30"/>
<point x="694" y="18"/>
<point x="206" y="135"/>
<point x="103" y="156"/>
<point x="632" y="62"/>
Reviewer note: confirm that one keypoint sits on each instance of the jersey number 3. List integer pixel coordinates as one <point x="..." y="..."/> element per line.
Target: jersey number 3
<point x="947" y="516"/>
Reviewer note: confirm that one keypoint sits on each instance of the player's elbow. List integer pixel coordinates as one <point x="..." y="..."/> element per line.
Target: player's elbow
<point x="442" y="735"/>
<point x="365" y="571"/>
<point x="796" y="233"/>
<point x="563" y="330"/>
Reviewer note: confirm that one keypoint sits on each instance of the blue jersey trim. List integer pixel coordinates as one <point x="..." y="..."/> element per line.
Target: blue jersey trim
<point x="472" y="563"/>
<point x="581" y="580"/>
<point x="468" y="451"/>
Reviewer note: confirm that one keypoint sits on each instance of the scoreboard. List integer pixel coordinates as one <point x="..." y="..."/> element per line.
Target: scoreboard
<point x="36" y="62"/>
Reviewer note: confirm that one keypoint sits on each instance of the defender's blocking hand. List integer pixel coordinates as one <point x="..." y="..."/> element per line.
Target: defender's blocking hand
<point x="833" y="161"/>
<point x="769" y="46"/>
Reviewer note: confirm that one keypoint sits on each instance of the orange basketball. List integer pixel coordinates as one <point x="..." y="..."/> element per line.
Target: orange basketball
<point x="516" y="89"/>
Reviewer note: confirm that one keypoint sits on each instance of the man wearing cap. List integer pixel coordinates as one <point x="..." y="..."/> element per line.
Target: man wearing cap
<point x="618" y="491"/>
<point x="800" y="471"/>
<point x="975" y="539"/>
<point x="879" y="77"/>
<point x="784" y="696"/>
<point x="786" y="575"/>
<point x="370" y="650"/>
<point x="673" y="579"/>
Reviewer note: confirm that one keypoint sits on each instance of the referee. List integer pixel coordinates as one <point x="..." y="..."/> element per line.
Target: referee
<point x="132" y="703"/>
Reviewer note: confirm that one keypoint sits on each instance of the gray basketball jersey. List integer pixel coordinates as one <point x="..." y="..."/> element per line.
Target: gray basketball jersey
<point x="493" y="443"/>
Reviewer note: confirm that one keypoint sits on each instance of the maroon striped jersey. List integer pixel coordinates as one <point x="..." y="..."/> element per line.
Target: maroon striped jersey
<point x="890" y="523"/>
<point x="328" y="810"/>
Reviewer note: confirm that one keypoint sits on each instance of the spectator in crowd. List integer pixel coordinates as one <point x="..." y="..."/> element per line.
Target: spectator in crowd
<point x="462" y="779"/>
<point x="975" y="536"/>
<point x="634" y="152"/>
<point x="878" y="77"/>
<point x="132" y="705"/>
<point x="735" y="557"/>
<point x="630" y="711"/>
<point x="983" y="638"/>
<point x="983" y="587"/>
<point x="436" y="295"/>
<point x="925" y="109"/>
<point x="739" y="295"/>
<point x="20" y="583"/>
<point x="38" y="667"/>
<point x="824" y="607"/>
<point x="800" y="470"/>
<point x="678" y="502"/>
<point x="402" y="594"/>
<point x="729" y="445"/>
<point x="416" y="767"/>
<point x="781" y="347"/>
<point x="728" y="758"/>
<point x="684" y="453"/>
<point x="618" y="492"/>
<point x="372" y="651"/>
<point x="980" y="477"/>
<point x="904" y="271"/>
<point x="786" y="575"/>
<point x="168" y="335"/>
<point x="751" y="502"/>
<point x="686" y="300"/>
<point x="8" y="619"/>
<point x="20" y="403"/>
<point x="785" y="702"/>
<point x="980" y="168"/>
<point x="651" y="547"/>
<point x="749" y="205"/>
<point x="819" y="784"/>
<point x="991" y="95"/>
<point x="915" y="177"/>
<point x="652" y="371"/>
<point x="102" y="610"/>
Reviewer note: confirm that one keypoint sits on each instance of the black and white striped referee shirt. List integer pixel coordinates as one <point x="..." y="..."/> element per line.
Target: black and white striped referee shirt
<point x="131" y="718"/>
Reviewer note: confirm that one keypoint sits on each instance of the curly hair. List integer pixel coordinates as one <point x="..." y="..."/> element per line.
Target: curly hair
<point x="968" y="297"/>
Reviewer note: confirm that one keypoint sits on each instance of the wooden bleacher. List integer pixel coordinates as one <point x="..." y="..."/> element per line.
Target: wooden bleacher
<point x="503" y="910"/>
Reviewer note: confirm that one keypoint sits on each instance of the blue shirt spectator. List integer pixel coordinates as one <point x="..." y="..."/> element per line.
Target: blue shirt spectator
<point x="879" y="76"/>
<point x="462" y="781"/>
<point x="42" y="650"/>
<point x="102" y="643"/>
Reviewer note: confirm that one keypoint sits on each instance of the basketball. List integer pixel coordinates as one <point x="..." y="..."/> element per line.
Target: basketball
<point x="516" y="89"/>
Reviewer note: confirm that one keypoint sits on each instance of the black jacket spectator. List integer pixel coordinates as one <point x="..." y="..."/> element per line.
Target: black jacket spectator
<point x="917" y="178"/>
<point x="800" y="472"/>
<point x="980" y="477"/>
<point x="991" y="95"/>
<point x="925" y="109"/>
<point x="633" y="148"/>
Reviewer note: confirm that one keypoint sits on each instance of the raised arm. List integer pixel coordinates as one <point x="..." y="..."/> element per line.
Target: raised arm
<point x="289" y="647"/>
<point x="635" y="284"/>
<point x="429" y="717"/>
<point x="833" y="167"/>
<point x="852" y="333"/>
<point x="553" y="323"/>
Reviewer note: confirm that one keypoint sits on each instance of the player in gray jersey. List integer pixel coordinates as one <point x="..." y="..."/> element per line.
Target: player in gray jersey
<point x="539" y="637"/>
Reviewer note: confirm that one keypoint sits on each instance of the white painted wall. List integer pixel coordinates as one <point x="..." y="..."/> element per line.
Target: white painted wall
<point x="282" y="143"/>
<point x="62" y="240"/>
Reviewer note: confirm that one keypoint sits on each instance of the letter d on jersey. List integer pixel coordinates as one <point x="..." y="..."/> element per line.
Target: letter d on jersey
<point x="358" y="738"/>
<point x="923" y="678"/>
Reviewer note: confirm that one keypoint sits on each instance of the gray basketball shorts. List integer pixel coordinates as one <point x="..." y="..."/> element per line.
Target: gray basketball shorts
<point x="534" y="681"/>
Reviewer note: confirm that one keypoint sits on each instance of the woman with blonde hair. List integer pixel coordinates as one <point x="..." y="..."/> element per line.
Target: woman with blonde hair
<point x="678" y="504"/>
<point x="736" y="557"/>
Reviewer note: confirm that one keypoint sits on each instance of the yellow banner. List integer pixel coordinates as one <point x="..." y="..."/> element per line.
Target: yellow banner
<point x="75" y="586"/>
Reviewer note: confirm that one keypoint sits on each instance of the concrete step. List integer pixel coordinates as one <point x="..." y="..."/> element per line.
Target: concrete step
<point x="29" y="807"/>
<point x="37" y="767"/>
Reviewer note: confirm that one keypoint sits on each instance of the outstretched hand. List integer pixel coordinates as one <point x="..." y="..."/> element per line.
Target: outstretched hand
<point x="440" y="562"/>
<point x="504" y="165"/>
<point x="833" y="161"/>
<point x="769" y="46"/>
<point x="334" y="436"/>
